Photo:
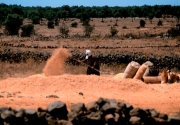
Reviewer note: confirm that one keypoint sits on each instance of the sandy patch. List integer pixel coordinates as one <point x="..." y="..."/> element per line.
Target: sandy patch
<point x="31" y="92"/>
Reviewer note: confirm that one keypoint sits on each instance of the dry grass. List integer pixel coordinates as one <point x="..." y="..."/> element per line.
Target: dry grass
<point x="30" y="68"/>
<point x="20" y="69"/>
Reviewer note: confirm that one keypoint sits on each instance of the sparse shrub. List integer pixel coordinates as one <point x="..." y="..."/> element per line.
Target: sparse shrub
<point x="74" y="24"/>
<point x="142" y="23"/>
<point x="124" y="27"/>
<point x="36" y="19"/>
<point x="57" y="22"/>
<point x="88" y="29"/>
<point x="159" y="23"/>
<point x="27" y="30"/>
<point x="116" y="24"/>
<point x="50" y="24"/>
<point x="138" y="27"/>
<point x="178" y="38"/>
<point x="64" y="30"/>
<point x="113" y="31"/>
<point x="174" y="32"/>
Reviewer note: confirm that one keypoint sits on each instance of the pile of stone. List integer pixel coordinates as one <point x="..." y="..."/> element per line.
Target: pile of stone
<point x="149" y="73"/>
<point x="101" y="112"/>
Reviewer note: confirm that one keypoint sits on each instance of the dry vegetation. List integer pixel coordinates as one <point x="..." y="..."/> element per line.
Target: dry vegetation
<point x="31" y="90"/>
<point x="98" y="38"/>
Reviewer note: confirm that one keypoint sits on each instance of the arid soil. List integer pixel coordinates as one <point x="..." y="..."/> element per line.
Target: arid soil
<point x="32" y="91"/>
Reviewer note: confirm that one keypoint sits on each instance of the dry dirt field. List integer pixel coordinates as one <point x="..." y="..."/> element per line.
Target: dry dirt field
<point x="24" y="85"/>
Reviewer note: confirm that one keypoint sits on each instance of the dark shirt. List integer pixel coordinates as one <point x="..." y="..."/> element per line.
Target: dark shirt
<point x="94" y="66"/>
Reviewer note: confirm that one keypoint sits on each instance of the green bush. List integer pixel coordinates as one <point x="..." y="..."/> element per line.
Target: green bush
<point x="174" y="32"/>
<point x="34" y="16"/>
<point x="74" y="24"/>
<point x="142" y="23"/>
<point x="124" y="27"/>
<point x="159" y="23"/>
<point x="35" y="19"/>
<point x="27" y="30"/>
<point x="13" y="23"/>
<point x="51" y="24"/>
<point x="113" y="31"/>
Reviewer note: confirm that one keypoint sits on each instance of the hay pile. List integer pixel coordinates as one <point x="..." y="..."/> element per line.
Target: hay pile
<point x="56" y="63"/>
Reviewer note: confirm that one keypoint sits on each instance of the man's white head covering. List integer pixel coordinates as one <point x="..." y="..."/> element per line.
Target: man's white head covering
<point x="88" y="53"/>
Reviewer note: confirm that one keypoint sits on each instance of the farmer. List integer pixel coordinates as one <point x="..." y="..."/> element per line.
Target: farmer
<point x="93" y="64"/>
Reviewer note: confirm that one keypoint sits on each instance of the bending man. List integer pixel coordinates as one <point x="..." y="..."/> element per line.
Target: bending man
<point x="93" y="63"/>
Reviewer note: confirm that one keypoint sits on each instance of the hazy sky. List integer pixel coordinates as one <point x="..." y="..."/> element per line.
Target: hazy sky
<point x="59" y="3"/>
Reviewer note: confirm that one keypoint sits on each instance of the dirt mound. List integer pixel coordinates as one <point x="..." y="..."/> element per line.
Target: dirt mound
<point x="55" y="64"/>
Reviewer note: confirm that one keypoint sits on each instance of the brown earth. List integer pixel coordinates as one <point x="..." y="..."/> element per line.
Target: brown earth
<point x="31" y="92"/>
<point x="28" y="88"/>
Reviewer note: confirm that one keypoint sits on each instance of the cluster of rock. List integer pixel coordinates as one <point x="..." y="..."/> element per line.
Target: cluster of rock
<point x="20" y="44"/>
<point x="117" y="58"/>
<point x="124" y="57"/>
<point x="100" y="112"/>
<point x="22" y="56"/>
<point x="28" y="46"/>
<point x="118" y="47"/>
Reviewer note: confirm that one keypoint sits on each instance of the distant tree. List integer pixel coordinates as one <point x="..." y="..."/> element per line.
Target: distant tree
<point x="50" y="15"/>
<point x="27" y="30"/>
<point x="146" y="9"/>
<point x="116" y="14"/>
<point x="56" y="20"/>
<point x="142" y="23"/>
<point x="104" y="12"/>
<point x="124" y="12"/>
<point x="85" y="18"/>
<point x="138" y="11"/>
<point x="150" y="16"/>
<point x="41" y="11"/>
<point x="74" y="24"/>
<point x="67" y="8"/>
<point x="64" y="30"/>
<point x="50" y="24"/>
<point x="4" y="11"/>
<point x="177" y="13"/>
<point x="13" y="23"/>
<point x="159" y="23"/>
<point x="34" y="16"/>
<point x="18" y="10"/>
<point x="94" y="12"/>
<point x="75" y="10"/>
<point x="132" y="14"/>
<point x="158" y="13"/>
<point x="102" y="15"/>
<point x="64" y="14"/>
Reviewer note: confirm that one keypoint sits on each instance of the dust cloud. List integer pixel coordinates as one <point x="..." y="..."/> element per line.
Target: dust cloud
<point x="56" y="63"/>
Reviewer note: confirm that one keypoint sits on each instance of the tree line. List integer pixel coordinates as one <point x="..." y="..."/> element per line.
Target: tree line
<point x="17" y="13"/>
<point x="66" y="11"/>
